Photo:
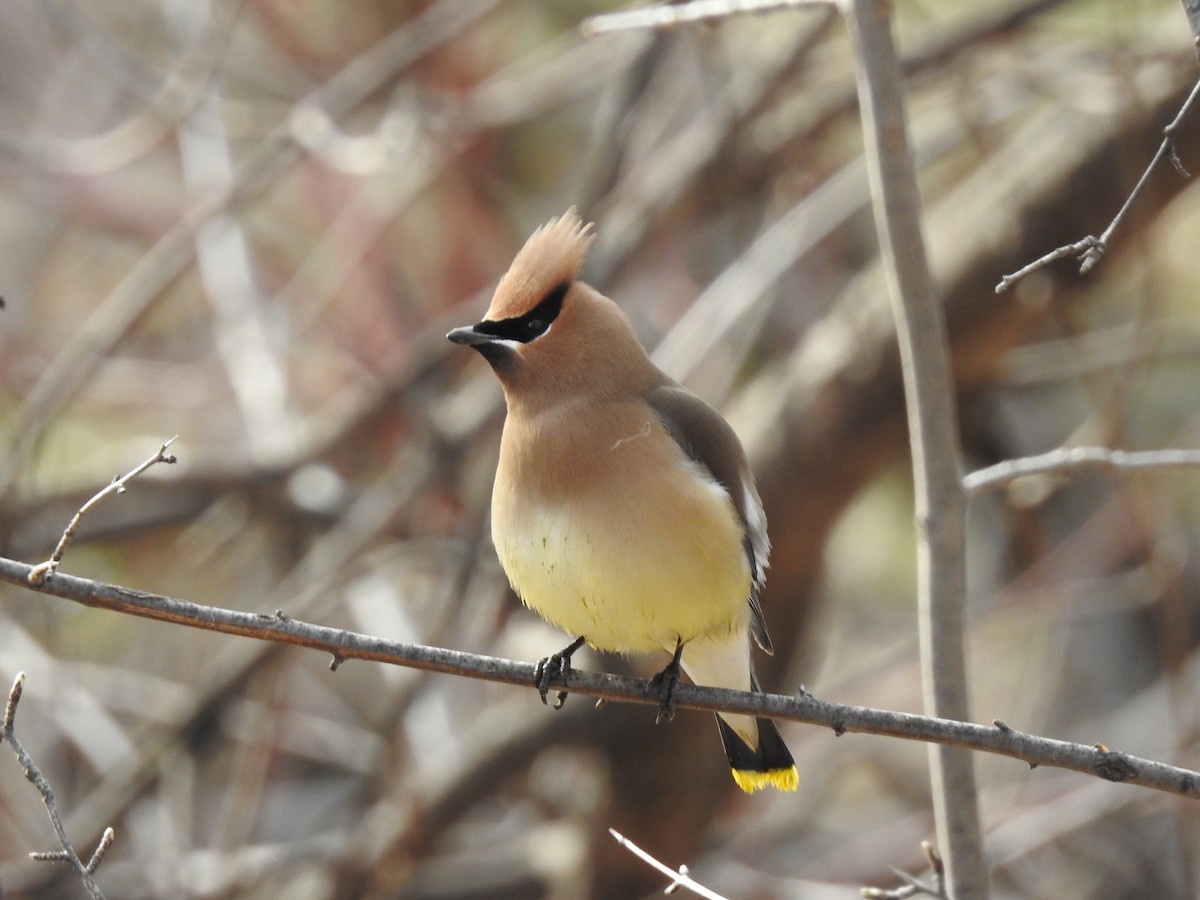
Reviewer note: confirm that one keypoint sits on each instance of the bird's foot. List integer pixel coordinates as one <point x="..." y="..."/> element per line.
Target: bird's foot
<point x="664" y="683"/>
<point x="555" y="666"/>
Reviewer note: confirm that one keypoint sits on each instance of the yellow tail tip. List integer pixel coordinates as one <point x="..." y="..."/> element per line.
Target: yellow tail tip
<point x="780" y="779"/>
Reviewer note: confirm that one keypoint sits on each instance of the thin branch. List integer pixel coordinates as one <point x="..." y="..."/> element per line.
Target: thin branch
<point x="1074" y="459"/>
<point x="1191" y="8"/>
<point x="935" y="887"/>
<point x="34" y="775"/>
<point x="695" y="11"/>
<point x="44" y="570"/>
<point x="933" y="434"/>
<point x="1090" y="249"/>
<point x="342" y="645"/>
<point x="106" y="841"/>
<point x="679" y="879"/>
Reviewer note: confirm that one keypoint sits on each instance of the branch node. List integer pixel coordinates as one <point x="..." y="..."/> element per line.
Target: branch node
<point x="43" y="570"/>
<point x="1001" y="726"/>
<point x="1113" y="765"/>
<point x="336" y="663"/>
<point x="839" y="727"/>
<point x="1173" y="156"/>
<point x="1090" y="256"/>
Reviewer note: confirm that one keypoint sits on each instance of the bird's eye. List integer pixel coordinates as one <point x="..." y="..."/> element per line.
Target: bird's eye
<point x="535" y="327"/>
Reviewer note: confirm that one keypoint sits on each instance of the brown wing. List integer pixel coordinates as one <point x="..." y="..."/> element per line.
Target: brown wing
<point x="708" y="440"/>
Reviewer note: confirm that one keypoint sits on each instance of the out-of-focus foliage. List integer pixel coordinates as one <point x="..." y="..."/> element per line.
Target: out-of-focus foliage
<point x="251" y="224"/>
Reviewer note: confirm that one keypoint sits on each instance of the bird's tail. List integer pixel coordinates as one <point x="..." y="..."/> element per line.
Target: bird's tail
<point x="767" y="763"/>
<point x="757" y="754"/>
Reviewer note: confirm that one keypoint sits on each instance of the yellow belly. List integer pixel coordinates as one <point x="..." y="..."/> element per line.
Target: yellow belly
<point x="631" y="564"/>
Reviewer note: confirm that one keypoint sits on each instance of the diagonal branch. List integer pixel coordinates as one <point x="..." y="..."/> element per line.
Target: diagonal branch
<point x="999" y="738"/>
<point x="1088" y="250"/>
<point x="35" y="777"/>
<point x="44" y="570"/>
<point x="679" y="879"/>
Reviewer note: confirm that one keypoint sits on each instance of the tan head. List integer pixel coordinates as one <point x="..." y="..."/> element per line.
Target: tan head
<point x="551" y="338"/>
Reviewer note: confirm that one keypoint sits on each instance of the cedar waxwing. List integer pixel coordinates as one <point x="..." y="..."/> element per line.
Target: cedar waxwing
<point x="624" y="511"/>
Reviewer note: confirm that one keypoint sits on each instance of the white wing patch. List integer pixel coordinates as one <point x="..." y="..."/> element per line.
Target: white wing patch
<point x="756" y="527"/>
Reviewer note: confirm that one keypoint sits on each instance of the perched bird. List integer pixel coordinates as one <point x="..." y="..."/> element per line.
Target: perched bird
<point x="623" y="510"/>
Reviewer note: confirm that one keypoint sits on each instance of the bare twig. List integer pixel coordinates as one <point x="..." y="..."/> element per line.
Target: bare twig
<point x="1073" y="459"/>
<point x="679" y="879"/>
<point x="935" y="887"/>
<point x="309" y="581"/>
<point x="106" y="841"/>
<point x="695" y="11"/>
<point x="1192" y="9"/>
<point x="44" y="570"/>
<point x="1090" y="249"/>
<point x="341" y="645"/>
<point x="34" y="775"/>
<point x="933" y="434"/>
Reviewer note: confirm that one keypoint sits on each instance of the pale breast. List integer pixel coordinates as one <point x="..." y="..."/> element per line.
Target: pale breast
<point x="624" y="540"/>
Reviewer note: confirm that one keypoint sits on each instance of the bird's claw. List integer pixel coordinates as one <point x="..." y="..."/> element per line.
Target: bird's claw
<point x="664" y="683"/>
<point x="555" y="667"/>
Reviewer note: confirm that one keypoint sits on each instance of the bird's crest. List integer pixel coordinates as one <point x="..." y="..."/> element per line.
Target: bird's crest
<point x="553" y="255"/>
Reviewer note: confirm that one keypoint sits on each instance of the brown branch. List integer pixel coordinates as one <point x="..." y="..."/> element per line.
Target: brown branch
<point x="1090" y="249"/>
<point x="34" y="775"/>
<point x="342" y="645"/>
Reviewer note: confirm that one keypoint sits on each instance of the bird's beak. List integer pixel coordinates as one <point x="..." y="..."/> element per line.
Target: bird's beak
<point x="468" y="336"/>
